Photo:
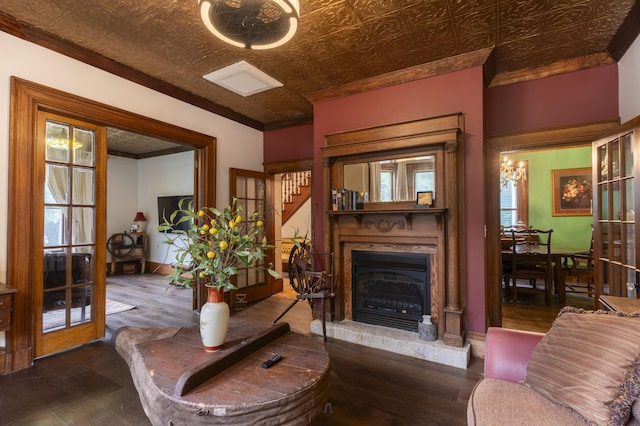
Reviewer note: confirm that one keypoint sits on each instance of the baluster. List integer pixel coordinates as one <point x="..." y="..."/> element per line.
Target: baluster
<point x="297" y="183"/>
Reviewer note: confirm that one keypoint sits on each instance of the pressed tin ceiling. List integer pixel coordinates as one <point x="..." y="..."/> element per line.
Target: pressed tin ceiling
<point x="163" y="44"/>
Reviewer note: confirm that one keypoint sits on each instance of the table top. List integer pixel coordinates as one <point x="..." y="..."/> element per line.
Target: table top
<point x="620" y="304"/>
<point x="246" y="393"/>
<point x="5" y="289"/>
<point x="540" y="249"/>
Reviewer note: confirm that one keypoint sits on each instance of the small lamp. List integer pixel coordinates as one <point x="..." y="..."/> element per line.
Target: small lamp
<point x="138" y="222"/>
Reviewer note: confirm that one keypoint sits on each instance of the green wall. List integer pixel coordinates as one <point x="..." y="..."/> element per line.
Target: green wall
<point x="568" y="231"/>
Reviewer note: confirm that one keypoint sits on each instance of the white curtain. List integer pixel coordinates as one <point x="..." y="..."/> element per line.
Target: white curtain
<point x="82" y="232"/>
<point x="57" y="177"/>
<point x="374" y="184"/>
<point x="402" y="184"/>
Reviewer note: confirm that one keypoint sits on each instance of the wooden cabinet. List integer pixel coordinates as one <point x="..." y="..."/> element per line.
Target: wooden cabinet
<point x="127" y="247"/>
<point x="616" y="201"/>
<point x="6" y="321"/>
<point x="6" y="307"/>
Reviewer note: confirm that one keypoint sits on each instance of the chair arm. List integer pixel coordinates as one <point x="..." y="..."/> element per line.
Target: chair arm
<point x="507" y="353"/>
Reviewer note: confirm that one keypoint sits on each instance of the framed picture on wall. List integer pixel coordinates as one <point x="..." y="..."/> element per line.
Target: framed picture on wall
<point x="572" y="191"/>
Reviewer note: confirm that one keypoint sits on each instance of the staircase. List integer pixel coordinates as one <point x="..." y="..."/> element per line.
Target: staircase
<point x="296" y="189"/>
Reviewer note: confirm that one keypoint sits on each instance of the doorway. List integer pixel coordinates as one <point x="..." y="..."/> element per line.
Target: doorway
<point x="547" y="139"/>
<point x="282" y="235"/>
<point x="28" y="101"/>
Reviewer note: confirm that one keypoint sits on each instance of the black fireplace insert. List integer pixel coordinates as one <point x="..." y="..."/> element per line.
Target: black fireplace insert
<point x="390" y="289"/>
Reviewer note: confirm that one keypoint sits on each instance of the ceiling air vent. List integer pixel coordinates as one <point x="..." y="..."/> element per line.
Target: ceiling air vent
<point x="243" y="79"/>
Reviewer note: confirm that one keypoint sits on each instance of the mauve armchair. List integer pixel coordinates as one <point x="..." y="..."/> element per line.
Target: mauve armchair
<point x="499" y="399"/>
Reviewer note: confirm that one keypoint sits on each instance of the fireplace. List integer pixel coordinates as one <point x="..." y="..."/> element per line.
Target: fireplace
<point x="400" y="227"/>
<point x="390" y="289"/>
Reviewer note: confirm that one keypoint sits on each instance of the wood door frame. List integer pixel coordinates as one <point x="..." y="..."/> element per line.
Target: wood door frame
<point x="290" y="167"/>
<point x="561" y="137"/>
<point x="27" y="98"/>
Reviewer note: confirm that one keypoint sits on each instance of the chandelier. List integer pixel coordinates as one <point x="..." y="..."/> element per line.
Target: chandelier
<point x="58" y="138"/>
<point x="252" y="24"/>
<point x="508" y="173"/>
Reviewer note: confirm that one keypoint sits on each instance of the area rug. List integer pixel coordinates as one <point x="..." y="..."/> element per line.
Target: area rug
<point x="114" y="307"/>
<point x="56" y="319"/>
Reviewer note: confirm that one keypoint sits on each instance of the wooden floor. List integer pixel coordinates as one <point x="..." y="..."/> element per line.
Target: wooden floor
<point x="91" y="385"/>
<point x="533" y="314"/>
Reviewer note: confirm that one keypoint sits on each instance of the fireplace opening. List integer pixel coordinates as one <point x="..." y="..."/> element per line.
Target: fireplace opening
<point x="390" y="289"/>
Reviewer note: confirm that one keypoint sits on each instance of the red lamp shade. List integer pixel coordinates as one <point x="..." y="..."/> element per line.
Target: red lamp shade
<point x="140" y="217"/>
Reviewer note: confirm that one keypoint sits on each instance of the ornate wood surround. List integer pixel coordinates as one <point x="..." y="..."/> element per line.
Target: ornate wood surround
<point x="401" y="226"/>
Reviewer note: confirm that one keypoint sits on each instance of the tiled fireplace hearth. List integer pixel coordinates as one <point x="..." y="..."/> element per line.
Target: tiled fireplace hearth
<point x="394" y="340"/>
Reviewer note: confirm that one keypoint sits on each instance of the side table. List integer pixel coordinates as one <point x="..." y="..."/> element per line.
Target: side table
<point x="619" y="304"/>
<point x="126" y="247"/>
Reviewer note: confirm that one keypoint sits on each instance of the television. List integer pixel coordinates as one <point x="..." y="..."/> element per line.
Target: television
<point x="168" y="204"/>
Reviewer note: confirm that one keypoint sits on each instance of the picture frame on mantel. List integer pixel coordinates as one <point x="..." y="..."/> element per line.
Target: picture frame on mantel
<point x="424" y="198"/>
<point x="572" y="192"/>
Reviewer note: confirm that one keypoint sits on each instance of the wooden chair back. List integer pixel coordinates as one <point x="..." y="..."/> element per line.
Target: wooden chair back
<point x="531" y="258"/>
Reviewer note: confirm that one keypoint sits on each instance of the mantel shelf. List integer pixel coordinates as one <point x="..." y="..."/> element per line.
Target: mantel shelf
<point x="407" y="213"/>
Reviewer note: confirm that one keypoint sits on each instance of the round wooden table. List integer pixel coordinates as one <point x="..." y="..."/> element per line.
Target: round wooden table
<point x="291" y="392"/>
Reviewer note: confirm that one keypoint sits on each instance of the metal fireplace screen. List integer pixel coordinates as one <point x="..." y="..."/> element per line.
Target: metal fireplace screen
<point x="390" y="289"/>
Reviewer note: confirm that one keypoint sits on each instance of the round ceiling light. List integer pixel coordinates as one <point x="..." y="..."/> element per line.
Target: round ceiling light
<point x="252" y="24"/>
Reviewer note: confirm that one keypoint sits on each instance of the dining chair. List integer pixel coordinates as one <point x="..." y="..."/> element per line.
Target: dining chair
<point x="505" y="245"/>
<point x="579" y="271"/>
<point x="531" y="260"/>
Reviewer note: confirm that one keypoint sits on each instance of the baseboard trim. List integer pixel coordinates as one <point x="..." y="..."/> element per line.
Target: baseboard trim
<point x="477" y="342"/>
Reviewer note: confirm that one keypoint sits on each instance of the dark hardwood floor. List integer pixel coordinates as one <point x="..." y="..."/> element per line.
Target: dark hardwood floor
<point x="531" y="313"/>
<point x="91" y="385"/>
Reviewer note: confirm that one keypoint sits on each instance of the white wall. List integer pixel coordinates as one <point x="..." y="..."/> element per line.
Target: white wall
<point x="122" y="196"/>
<point x="629" y="83"/>
<point x="158" y="177"/>
<point x="238" y="145"/>
<point x="135" y="185"/>
<point x="300" y="222"/>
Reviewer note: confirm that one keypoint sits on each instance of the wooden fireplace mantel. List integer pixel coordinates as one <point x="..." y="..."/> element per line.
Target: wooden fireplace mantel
<point x="399" y="226"/>
<point x="362" y="215"/>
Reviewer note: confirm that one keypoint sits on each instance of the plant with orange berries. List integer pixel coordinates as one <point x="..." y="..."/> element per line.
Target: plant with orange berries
<point x="217" y="244"/>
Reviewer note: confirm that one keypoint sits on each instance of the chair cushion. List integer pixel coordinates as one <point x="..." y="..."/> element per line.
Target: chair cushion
<point x="589" y="362"/>
<point x="499" y="402"/>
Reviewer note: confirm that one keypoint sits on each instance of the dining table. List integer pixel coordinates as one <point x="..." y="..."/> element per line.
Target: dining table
<point x="558" y="253"/>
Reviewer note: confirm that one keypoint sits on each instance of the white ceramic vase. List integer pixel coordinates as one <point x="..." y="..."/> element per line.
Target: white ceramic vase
<point x="214" y="320"/>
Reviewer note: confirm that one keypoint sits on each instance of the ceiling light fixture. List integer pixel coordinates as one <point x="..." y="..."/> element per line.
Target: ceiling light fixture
<point x="242" y="78"/>
<point x="252" y="24"/>
<point x="508" y="173"/>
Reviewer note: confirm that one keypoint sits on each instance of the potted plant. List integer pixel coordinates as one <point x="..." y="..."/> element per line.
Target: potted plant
<point x="212" y="250"/>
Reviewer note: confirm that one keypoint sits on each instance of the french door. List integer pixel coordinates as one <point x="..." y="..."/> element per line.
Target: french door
<point x="252" y="190"/>
<point x="69" y="225"/>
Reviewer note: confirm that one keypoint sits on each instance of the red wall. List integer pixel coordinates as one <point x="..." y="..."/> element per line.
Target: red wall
<point x="579" y="97"/>
<point x="293" y="143"/>
<point x="460" y="91"/>
<point x="575" y="98"/>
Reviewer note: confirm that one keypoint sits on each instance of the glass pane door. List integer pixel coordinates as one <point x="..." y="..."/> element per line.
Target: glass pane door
<point x="70" y="310"/>
<point x="250" y="188"/>
<point x="615" y="215"/>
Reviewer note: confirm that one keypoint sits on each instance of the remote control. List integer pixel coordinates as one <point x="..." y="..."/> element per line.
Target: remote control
<point x="268" y="363"/>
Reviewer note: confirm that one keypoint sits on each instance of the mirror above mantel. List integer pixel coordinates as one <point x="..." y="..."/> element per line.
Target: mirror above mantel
<point x="393" y="179"/>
